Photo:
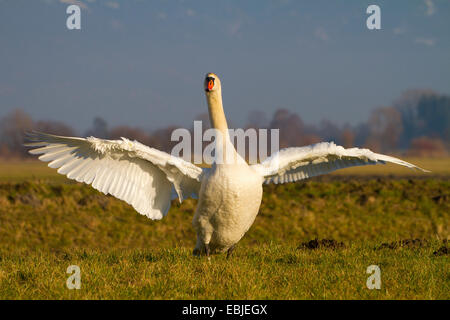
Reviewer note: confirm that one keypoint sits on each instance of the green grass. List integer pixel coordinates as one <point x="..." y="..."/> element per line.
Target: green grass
<point x="47" y="225"/>
<point x="267" y="271"/>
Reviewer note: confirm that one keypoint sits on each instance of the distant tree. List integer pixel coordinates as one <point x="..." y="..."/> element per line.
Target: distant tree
<point x="12" y="128"/>
<point x="54" y="127"/>
<point x="419" y="121"/>
<point x="132" y="134"/>
<point x="291" y="128"/>
<point x="330" y="131"/>
<point x="257" y="119"/>
<point x="424" y="113"/>
<point x="434" y="111"/>
<point x="361" y="134"/>
<point x="347" y="137"/>
<point x="204" y="118"/>
<point x="385" y="129"/>
<point x="99" y="129"/>
<point x="407" y="106"/>
<point x="425" y="146"/>
<point x="4" y="151"/>
<point x="161" y="139"/>
<point x="308" y="139"/>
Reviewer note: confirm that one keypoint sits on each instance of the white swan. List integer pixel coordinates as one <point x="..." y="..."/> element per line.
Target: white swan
<point x="229" y="194"/>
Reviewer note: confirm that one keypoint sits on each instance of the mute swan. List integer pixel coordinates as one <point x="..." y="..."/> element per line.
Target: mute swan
<point x="229" y="193"/>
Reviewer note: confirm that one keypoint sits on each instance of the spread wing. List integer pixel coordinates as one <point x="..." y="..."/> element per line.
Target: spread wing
<point x="293" y="164"/>
<point x="141" y="176"/>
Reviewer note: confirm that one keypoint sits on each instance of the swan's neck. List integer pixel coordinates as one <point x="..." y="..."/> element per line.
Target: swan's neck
<point x="219" y="122"/>
<point x="216" y="114"/>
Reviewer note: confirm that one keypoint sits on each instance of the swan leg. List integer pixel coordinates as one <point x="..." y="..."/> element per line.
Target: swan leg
<point x="230" y="251"/>
<point x="196" y="252"/>
<point x="207" y="251"/>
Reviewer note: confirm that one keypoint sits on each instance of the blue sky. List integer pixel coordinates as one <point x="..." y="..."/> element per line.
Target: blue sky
<point x="142" y="63"/>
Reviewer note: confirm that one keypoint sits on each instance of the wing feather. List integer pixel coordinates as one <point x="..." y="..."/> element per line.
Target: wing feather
<point x="293" y="164"/>
<point x="142" y="176"/>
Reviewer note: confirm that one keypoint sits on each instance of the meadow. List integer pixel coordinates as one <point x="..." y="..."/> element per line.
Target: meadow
<point x="311" y="240"/>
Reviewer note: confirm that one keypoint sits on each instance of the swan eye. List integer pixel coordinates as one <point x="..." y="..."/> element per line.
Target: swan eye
<point x="210" y="84"/>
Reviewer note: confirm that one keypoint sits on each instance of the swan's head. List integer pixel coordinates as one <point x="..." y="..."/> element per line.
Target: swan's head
<point x="212" y="83"/>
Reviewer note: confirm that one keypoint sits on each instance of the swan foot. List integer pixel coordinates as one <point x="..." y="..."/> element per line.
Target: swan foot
<point x="207" y="251"/>
<point x="198" y="252"/>
<point x="230" y="251"/>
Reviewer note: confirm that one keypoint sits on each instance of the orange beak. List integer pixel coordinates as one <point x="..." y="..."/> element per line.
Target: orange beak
<point x="210" y="85"/>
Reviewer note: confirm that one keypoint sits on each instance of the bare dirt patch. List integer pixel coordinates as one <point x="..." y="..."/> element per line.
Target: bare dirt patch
<point x="320" y="244"/>
<point x="442" y="251"/>
<point x="416" y="244"/>
<point x="407" y="243"/>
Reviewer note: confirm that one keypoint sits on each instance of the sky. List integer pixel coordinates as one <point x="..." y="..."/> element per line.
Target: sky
<point x="142" y="63"/>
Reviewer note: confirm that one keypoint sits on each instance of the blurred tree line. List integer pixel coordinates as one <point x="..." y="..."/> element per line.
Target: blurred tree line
<point x="416" y="124"/>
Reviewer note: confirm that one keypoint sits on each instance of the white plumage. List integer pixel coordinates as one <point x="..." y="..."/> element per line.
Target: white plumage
<point x="229" y="194"/>
<point x="130" y="171"/>
<point x="293" y="164"/>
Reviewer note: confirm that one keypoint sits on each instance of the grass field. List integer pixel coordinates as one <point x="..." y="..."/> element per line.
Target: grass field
<point x="48" y="223"/>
